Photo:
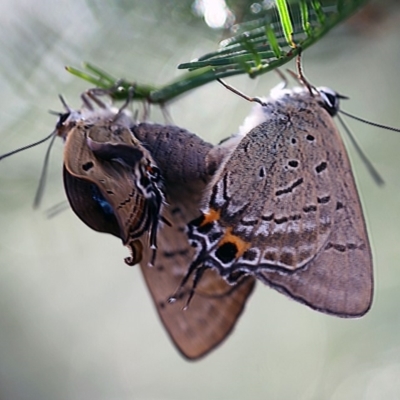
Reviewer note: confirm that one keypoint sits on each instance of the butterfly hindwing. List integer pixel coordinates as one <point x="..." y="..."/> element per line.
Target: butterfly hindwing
<point x="216" y="306"/>
<point x="111" y="180"/>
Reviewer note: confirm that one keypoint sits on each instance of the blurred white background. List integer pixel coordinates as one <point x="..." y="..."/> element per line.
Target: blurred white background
<point x="75" y="321"/>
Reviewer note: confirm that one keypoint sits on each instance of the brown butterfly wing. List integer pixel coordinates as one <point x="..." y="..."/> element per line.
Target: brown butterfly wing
<point x="103" y="193"/>
<point x="187" y="163"/>
<point x="339" y="279"/>
<point x="286" y="209"/>
<point x="215" y="307"/>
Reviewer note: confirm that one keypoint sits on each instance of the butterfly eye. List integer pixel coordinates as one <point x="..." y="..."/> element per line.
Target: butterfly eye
<point x="330" y="100"/>
<point x="62" y="119"/>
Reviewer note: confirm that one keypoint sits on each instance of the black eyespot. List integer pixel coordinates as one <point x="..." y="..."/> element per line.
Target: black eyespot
<point x="321" y="167"/>
<point x="339" y="205"/>
<point x="87" y="166"/>
<point x="226" y="253"/>
<point x="310" y="138"/>
<point x="280" y="221"/>
<point x="293" y="163"/>
<point x="311" y="208"/>
<point x="323" y="200"/>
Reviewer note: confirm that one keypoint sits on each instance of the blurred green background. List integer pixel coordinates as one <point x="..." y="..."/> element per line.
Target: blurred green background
<point x="75" y="321"/>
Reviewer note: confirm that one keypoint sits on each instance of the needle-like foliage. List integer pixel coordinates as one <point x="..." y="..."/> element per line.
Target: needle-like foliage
<point x="269" y="40"/>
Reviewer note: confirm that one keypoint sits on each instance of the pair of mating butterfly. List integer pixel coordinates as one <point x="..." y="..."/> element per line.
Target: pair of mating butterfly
<point x="276" y="202"/>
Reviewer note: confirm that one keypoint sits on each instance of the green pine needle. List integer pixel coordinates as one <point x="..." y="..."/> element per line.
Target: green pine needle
<point x="259" y="46"/>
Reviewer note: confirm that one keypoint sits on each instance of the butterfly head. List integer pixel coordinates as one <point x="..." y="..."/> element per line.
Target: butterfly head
<point x="330" y="100"/>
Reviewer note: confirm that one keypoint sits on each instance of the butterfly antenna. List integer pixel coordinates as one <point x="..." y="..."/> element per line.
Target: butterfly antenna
<point x="52" y="134"/>
<point x="43" y="175"/>
<point x="388" y="128"/>
<point x="56" y="209"/>
<point x="371" y="169"/>
<point x="64" y="103"/>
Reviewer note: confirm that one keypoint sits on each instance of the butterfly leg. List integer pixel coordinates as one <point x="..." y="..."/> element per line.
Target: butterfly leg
<point x="194" y="266"/>
<point x="196" y="279"/>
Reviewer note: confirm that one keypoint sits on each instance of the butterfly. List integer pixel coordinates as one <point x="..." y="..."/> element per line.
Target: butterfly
<point x="112" y="183"/>
<point x="142" y="183"/>
<point x="283" y="208"/>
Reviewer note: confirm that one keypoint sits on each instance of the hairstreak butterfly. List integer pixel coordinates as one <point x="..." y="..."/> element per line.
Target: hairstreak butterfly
<point x="111" y="180"/>
<point x="105" y="153"/>
<point x="284" y="208"/>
